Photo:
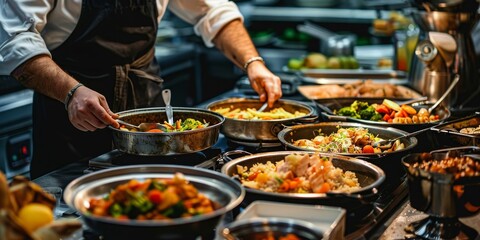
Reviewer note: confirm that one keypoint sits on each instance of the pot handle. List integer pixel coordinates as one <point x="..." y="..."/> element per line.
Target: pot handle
<point x="225" y="157"/>
<point x="278" y="127"/>
<point x="456" y="150"/>
<point x="335" y="117"/>
<point x="366" y="197"/>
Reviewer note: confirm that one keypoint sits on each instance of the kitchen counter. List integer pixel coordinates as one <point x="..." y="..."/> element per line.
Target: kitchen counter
<point x="390" y="227"/>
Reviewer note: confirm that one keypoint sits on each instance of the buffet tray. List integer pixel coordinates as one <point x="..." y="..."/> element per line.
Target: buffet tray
<point x="339" y="76"/>
<point x="452" y="129"/>
<point x="358" y="90"/>
<point x="330" y="220"/>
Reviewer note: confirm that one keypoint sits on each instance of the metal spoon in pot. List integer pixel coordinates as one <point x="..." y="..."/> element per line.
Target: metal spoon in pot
<point x="166" y="94"/>
<point x="386" y="144"/>
<point x="143" y="127"/>
<point x="263" y="107"/>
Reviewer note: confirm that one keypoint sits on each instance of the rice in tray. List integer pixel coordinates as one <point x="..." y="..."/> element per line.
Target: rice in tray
<point x="298" y="174"/>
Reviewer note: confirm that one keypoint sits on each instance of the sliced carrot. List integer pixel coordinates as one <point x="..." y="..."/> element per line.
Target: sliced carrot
<point x="155" y="130"/>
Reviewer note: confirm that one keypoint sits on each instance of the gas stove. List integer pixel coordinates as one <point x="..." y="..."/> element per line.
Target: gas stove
<point x="391" y="194"/>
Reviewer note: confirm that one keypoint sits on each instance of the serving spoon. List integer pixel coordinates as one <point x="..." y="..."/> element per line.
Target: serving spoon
<point x="143" y="127"/>
<point x="386" y="144"/>
<point x="167" y="95"/>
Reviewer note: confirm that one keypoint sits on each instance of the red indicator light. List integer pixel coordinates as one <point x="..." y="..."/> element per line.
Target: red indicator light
<point x="24" y="150"/>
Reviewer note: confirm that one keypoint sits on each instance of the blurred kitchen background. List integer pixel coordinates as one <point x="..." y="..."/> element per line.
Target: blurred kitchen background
<point x="381" y="33"/>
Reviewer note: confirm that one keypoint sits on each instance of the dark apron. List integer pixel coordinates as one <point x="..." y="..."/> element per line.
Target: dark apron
<point x="111" y="52"/>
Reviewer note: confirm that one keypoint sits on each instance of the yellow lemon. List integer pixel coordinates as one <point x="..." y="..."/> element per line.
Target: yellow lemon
<point x="35" y="215"/>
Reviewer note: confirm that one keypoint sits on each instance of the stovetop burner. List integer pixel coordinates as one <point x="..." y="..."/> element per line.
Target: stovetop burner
<point x="204" y="159"/>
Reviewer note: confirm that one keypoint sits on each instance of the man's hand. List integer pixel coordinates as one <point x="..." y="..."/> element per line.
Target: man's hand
<point x="88" y="110"/>
<point x="265" y="83"/>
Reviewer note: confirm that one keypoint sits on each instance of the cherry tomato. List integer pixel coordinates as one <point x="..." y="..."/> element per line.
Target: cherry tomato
<point x="368" y="149"/>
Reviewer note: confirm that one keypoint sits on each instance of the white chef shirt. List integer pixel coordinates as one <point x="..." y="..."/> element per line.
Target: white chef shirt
<point x="32" y="27"/>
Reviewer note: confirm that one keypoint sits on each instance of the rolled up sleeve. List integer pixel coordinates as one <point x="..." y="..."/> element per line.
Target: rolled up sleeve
<point x="21" y="22"/>
<point x="207" y="16"/>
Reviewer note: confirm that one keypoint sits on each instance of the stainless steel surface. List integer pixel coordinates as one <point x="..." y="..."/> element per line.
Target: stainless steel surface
<point x="166" y="94"/>
<point x="264" y="228"/>
<point x="332" y="44"/>
<point x="258" y="130"/>
<point x="16" y="132"/>
<point x="167" y="143"/>
<point x="432" y="80"/>
<point x="342" y="76"/>
<point x="445" y="94"/>
<point x="222" y="190"/>
<point x="330" y="15"/>
<point x="369" y="176"/>
<point x="308" y="131"/>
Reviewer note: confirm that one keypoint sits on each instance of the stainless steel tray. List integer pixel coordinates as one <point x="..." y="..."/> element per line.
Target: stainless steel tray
<point x="452" y="128"/>
<point x="342" y="76"/>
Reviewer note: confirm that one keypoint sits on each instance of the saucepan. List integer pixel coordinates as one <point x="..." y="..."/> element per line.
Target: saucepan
<point x="167" y="143"/>
<point x="255" y="131"/>
<point x="223" y="191"/>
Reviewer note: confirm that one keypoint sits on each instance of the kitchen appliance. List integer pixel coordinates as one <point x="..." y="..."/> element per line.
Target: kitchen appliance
<point x="445" y="48"/>
<point x="15" y="132"/>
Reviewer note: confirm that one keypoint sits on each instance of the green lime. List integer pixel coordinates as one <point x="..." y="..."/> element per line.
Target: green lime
<point x="344" y="63"/>
<point x="353" y="62"/>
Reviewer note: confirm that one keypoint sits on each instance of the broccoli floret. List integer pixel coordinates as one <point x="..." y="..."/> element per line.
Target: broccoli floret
<point x="376" y="117"/>
<point x="367" y="112"/>
<point x="348" y="111"/>
<point x="359" y="105"/>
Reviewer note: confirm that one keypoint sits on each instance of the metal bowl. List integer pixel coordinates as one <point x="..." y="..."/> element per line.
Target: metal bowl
<point x="259" y="130"/>
<point x="262" y="228"/>
<point x="450" y="131"/>
<point x="369" y="176"/>
<point x="225" y="192"/>
<point x="167" y="143"/>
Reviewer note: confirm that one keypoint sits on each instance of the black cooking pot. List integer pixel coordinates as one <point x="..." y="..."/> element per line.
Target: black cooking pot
<point x="357" y="203"/>
<point x="388" y="161"/>
<point x="440" y="194"/>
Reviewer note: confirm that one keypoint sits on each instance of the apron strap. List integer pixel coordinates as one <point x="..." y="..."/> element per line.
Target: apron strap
<point x="124" y="83"/>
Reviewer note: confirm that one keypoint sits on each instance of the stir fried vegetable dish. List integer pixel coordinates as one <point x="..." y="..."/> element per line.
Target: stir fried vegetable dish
<point x="347" y="140"/>
<point x="387" y="111"/>
<point x="298" y="174"/>
<point x="178" y="126"/>
<point x="152" y="199"/>
<point x="253" y="114"/>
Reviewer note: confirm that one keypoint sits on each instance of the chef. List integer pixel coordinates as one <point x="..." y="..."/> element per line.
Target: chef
<point x="87" y="59"/>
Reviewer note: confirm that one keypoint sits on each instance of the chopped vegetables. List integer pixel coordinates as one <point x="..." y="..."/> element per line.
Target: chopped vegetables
<point x="152" y="199"/>
<point x="178" y="126"/>
<point x="387" y="111"/>
<point x="347" y="140"/>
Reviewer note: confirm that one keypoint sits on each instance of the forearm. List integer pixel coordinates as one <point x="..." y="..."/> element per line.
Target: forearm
<point x="235" y="43"/>
<point x="42" y="74"/>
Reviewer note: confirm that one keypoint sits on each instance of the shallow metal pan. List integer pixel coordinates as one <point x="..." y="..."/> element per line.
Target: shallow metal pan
<point x="369" y="176"/>
<point x="167" y="143"/>
<point x="452" y="130"/>
<point x="225" y="192"/>
<point x="326" y="109"/>
<point x="260" y="130"/>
